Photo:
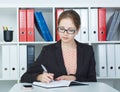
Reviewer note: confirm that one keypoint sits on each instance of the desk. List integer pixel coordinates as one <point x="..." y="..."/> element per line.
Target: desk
<point x="92" y="87"/>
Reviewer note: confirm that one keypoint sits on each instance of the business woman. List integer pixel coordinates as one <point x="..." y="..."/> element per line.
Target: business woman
<point x="67" y="59"/>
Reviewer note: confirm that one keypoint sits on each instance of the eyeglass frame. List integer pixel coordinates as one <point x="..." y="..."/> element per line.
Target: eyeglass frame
<point x="67" y="30"/>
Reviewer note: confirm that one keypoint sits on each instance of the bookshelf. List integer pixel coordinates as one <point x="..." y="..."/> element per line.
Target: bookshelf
<point x="9" y="17"/>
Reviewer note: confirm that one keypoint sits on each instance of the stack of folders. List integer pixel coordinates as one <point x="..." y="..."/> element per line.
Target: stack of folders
<point x="107" y="60"/>
<point x="113" y="27"/>
<point x="30" y="55"/>
<point x="26" y="25"/>
<point x="97" y="31"/>
<point x="26" y="57"/>
<point x="9" y="65"/>
<point x="42" y="27"/>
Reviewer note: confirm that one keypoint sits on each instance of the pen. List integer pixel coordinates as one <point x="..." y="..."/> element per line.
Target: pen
<point x="43" y="67"/>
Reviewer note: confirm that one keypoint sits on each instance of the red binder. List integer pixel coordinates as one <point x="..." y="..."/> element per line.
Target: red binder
<point x="58" y="12"/>
<point x="22" y="25"/>
<point x="30" y="25"/>
<point x="102" y="24"/>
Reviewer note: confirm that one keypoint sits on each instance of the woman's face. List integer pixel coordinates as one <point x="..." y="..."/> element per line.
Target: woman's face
<point x="67" y="30"/>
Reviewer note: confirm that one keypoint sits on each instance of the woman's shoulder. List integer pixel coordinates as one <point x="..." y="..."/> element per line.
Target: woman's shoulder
<point x="83" y="45"/>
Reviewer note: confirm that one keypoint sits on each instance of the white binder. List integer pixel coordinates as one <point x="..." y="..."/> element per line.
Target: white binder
<point x="84" y="24"/>
<point x="100" y="57"/>
<point x="5" y="62"/>
<point x="14" y="64"/>
<point x="111" y="60"/>
<point x="117" y="60"/>
<point x="23" y="59"/>
<point x="93" y="32"/>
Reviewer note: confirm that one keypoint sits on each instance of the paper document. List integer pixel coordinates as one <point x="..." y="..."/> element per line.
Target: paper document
<point x="61" y="83"/>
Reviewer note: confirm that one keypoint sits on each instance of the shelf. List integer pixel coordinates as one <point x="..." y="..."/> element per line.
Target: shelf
<point x="8" y="43"/>
<point x="33" y="43"/>
<point x="105" y="42"/>
<point x="1" y="79"/>
<point x="107" y="78"/>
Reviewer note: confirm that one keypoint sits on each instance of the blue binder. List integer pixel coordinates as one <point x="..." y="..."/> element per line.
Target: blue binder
<point x="30" y="56"/>
<point x="42" y="26"/>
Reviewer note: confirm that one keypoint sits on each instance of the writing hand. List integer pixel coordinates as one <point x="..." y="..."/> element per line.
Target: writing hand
<point x="66" y="77"/>
<point x="45" y="77"/>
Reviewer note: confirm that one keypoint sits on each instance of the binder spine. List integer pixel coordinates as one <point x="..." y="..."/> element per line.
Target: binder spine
<point x="30" y="25"/>
<point x="102" y="24"/>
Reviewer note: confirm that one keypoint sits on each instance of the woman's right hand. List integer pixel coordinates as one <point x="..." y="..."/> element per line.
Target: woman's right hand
<point x="45" y="77"/>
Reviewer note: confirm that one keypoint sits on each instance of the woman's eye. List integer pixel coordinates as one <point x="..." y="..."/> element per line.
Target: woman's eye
<point x="61" y="28"/>
<point x="71" y="30"/>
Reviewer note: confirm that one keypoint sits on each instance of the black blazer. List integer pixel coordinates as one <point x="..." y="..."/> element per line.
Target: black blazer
<point x="51" y="57"/>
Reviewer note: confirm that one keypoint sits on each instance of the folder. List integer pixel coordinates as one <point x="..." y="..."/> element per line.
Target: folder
<point x="5" y="62"/>
<point x="30" y="25"/>
<point x="102" y="24"/>
<point x="42" y="26"/>
<point x="57" y="12"/>
<point x="30" y="56"/>
<point x="23" y="59"/>
<point x="110" y="25"/>
<point x="93" y="32"/>
<point x="22" y="25"/>
<point x="100" y="57"/>
<point x="114" y="35"/>
<point x="84" y="24"/>
<point x="111" y="60"/>
<point x="14" y="63"/>
<point x="78" y="36"/>
<point x="117" y="60"/>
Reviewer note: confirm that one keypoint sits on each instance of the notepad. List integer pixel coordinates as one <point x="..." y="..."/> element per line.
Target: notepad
<point x="61" y="83"/>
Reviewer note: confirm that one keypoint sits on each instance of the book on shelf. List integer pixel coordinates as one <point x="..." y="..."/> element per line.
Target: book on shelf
<point x="113" y="26"/>
<point x="93" y="32"/>
<point x="42" y="27"/>
<point x="117" y="60"/>
<point x="30" y="55"/>
<point x="110" y="60"/>
<point x="22" y="25"/>
<point x="57" y="84"/>
<point x="101" y="24"/>
<point x="30" y="25"/>
<point x="22" y="59"/>
<point x="84" y="24"/>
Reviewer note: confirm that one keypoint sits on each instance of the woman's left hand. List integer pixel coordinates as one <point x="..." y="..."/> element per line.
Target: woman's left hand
<point x="66" y="77"/>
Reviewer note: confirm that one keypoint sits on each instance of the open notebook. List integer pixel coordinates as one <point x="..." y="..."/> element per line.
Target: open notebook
<point x="61" y="83"/>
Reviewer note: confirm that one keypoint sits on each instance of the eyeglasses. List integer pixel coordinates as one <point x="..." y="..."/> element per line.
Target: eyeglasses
<point x="61" y="29"/>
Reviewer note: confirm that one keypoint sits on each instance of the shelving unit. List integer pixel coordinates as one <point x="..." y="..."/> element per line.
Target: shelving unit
<point x="9" y="17"/>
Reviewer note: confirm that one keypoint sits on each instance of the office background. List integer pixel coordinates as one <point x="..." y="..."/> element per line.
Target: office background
<point x="14" y="55"/>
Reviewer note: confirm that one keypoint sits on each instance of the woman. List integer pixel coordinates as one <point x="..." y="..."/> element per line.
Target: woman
<point x="67" y="59"/>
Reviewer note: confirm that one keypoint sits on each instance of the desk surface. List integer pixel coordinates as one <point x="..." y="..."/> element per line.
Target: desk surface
<point x="92" y="87"/>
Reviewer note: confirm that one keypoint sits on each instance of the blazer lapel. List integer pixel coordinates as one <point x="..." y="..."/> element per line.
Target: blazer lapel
<point x="80" y="55"/>
<point x="60" y="59"/>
